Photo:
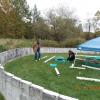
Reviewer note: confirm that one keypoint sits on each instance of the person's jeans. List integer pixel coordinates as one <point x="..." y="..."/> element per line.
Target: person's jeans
<point x="37" y="55"/>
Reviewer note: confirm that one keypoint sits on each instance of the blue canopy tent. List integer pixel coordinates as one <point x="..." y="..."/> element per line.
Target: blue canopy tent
<point x="91" y="45"/>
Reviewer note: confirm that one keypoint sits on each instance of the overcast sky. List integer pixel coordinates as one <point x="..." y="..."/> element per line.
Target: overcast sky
<point x="83" y="8"/>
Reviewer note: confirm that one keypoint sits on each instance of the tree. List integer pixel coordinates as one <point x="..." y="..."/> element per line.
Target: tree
<point x="35" y="14"/>
<point x="5" y="6"/>
<point x="14" y="16"/>
<point x="39" y="27"/>
<point x="65" y="12"/>
<point x="63" y="24"/>
<point x="21" y="8"/>
<point x="96" y="21"/>
<point x="88" y="25"/>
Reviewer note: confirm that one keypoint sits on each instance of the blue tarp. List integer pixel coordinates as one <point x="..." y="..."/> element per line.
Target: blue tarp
<point x="91" y="45"/>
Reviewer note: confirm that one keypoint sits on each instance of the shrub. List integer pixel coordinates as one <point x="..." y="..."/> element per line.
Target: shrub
<point x="3" y="48"/>
<point x="49" y="43"/>
<point x="73" y="42"/>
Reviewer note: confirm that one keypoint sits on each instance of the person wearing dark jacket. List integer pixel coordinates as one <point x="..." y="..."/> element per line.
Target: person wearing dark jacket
<point x="71" y="56"/>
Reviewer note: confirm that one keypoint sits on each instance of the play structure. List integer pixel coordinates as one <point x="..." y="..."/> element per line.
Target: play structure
<point x="90" y="61"/>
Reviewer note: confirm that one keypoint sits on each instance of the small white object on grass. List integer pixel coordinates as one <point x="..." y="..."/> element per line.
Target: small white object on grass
<point x="72" y="66"/>
<point x="43" y="57"/>
<point x="57" y="71"/>
<point x="88" y="79"/>
<point x="77" y="67"/>
<point x="91" y="67"/>
<point x="49" y="59"/>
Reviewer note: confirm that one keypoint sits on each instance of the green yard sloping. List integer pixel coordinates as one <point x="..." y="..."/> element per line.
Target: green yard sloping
<point x="41" y="74"/>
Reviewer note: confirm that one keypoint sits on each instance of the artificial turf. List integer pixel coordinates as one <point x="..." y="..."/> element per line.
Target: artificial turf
<point x="42" y="74"/>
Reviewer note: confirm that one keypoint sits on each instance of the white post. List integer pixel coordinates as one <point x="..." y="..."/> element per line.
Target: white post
<point x="43" y="57"/>
<point x="57" y="71"/>
<point x="49" y="59"/>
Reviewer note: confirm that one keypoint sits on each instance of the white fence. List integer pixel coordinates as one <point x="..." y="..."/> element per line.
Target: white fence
<point x="14" y="88"/>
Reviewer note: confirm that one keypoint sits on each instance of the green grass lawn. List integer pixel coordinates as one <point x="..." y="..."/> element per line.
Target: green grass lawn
<point x="41" y="74"/>
<point x="1" y="97"/>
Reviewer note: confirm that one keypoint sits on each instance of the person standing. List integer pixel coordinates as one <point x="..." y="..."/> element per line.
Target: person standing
<point x="36" y="49"/>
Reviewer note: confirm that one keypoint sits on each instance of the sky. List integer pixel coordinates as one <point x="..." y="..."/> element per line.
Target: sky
<point x="83" y="9"/>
